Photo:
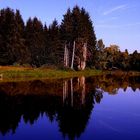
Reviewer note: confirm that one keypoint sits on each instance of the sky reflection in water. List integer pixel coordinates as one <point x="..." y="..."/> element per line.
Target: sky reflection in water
<point x="93" y="108"/>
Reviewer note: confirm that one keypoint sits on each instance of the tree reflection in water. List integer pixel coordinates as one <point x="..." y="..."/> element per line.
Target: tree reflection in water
<point x="68" y="101"/>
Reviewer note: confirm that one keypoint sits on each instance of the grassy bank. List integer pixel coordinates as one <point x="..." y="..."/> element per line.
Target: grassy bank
<point x="10" y="73"/>
<point x="21" y="73"/>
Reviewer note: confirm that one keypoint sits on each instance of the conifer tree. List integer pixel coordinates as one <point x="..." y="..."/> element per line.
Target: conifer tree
<point x="77" y="26"/>
<point x="21" y="51"/>
<point x="35" y="41"/>
<point x="66" y="27"/>
<point x="8" y="37"/>
<point x="55" y="49"/>
<point x="46" y="44"/>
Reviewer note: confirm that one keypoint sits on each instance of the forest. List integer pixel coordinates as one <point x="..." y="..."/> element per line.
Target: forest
<point x="72" y="44"/>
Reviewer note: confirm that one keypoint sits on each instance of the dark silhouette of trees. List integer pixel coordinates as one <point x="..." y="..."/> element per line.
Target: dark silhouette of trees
<point x="112" y="58"/>
<point x="77" y="26"/>
<point x="70" y="44"/>
<point x="34" y="36"/>
<point x="8" y="36"/>
<point x="21" y="51"/>
<point x="55" y="48"/>
<point x="135" y="61"/>
<point x="12" y="48"/>
<point x="100" y="62"/>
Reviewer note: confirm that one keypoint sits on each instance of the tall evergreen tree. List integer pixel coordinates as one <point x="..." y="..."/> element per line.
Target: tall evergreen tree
<point x="35" y="41"/>
<point x="21" y="51"/>
<point x="55" y="50"/>
<point x="77" y="26"/>
<point x="90" y="36"/>
<point x="66" y="27"/>
<point x="12" y="48"/>
<point x="46" y="43"/>
<point x="8" y="36"/>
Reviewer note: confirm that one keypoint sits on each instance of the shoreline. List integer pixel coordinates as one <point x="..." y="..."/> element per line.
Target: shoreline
<point x="11" y="73"/>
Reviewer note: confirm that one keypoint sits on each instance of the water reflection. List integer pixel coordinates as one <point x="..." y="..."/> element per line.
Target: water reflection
<point x="66" y="101"/>
<point x="69" y="102"/>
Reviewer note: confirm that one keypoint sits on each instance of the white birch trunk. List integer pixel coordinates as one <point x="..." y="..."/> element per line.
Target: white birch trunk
<point x="66" y="56"/>
<point x="65" y="63"/>
<point x="73" y="53"/>
<point x="83" y="62"/>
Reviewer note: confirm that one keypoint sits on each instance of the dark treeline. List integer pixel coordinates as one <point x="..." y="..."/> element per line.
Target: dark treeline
<point x="112" y="58"/>
<point x="72" y="44"/>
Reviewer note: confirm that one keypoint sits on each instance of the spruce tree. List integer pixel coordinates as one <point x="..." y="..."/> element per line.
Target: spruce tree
<point x="21" y="51"/>
<point x="55" y="56"/>
<point x="7" y="35"/>
<point x="66" y="27"/>
<point x="77" y="26"/>
<point x="46" y="44"/>
<point x="35" y="41"/>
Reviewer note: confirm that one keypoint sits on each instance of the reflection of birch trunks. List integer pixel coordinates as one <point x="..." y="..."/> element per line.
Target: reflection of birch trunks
<point x="71" y="83"/>
<point x="68" y="91"/>
<point x="65" y="90"/>
<point x="1" y="76"/>
<point x="82" y="87"/>
<point x="68" y="88"/>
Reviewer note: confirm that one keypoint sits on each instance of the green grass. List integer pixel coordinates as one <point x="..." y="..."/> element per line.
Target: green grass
<point x="10" y="73"/>
<point x="29" y="74"/>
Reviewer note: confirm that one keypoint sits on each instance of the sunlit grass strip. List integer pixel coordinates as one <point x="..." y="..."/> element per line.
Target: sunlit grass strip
<point x="44" y="73"/>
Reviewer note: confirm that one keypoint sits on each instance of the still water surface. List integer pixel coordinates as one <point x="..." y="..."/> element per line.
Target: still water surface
<point x="94" y="108"/>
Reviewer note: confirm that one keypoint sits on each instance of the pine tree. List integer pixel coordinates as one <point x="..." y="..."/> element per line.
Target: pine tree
<point x="46" y="44"/>
<point x="77" y="26"/>
<point x="21" y="51"/>
<point x="36" y="44"/>
<point x="8" y="38"/>
<point x="89" y="36"/>
<point x="55" y="56"/>
<point x="66" y="27"/>
<point x="35" y="41"/>
<point x="12" y="48"/>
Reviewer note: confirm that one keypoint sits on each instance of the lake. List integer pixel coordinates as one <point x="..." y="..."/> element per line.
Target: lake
<point x="94" y="108"/>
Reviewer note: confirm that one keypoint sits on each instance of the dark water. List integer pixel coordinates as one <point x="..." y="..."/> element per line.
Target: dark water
<point x="94" y="108"/>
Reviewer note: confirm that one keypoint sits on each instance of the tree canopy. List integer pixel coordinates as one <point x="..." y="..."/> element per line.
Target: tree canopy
<point x="36" y="44"/>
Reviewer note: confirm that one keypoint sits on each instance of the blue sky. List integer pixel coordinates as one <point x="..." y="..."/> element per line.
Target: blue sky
<point x="115" y="21"/>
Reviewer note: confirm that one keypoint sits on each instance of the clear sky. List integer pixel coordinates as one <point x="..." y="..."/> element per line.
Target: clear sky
<point x="115" y="21"/>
